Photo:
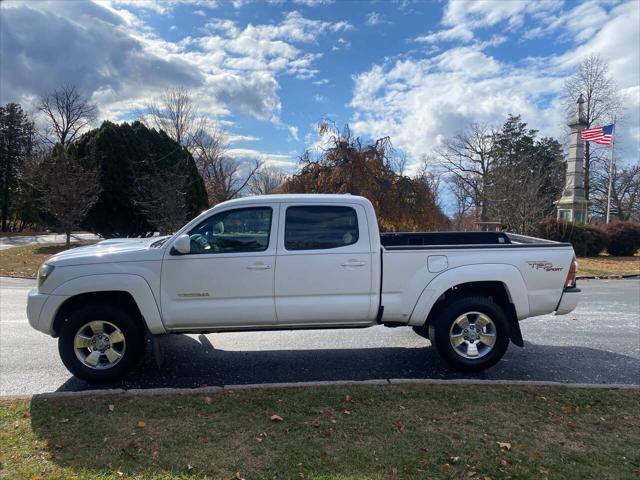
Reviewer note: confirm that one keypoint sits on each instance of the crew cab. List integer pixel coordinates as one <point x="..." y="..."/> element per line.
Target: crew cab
<point x="298" y="262"/>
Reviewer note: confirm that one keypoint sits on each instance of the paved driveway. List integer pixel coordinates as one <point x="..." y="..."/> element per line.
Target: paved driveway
<point x="598" y="343"/>
<point x="24" y="240"/>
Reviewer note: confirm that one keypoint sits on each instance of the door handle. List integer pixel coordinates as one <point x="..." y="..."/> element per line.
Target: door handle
<point x="259" y="266"/>
<point x="353" y="263"/>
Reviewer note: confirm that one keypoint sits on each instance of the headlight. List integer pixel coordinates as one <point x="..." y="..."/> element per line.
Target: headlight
<point x="43" y="273"/>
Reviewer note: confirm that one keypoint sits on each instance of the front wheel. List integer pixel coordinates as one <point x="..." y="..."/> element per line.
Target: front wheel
<point x="472" y="333"/>
<point x="100" y="343"/>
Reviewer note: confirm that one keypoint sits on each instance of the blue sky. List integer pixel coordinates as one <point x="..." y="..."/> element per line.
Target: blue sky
<point x="268" y="71"/>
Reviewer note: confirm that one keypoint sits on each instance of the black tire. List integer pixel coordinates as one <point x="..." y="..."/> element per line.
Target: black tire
<point x="132" y="348"/>
<point x="439" y="333"/>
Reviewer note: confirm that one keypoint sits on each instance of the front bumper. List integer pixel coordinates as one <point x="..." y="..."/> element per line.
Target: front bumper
<point x="41" y="310"/>
<point x="568" y="301"/>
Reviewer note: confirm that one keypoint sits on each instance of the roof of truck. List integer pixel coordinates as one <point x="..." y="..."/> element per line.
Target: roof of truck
<point x="296" y="198"/>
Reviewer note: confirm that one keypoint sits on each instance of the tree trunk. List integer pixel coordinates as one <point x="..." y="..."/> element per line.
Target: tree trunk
<point x="68" y="244"/>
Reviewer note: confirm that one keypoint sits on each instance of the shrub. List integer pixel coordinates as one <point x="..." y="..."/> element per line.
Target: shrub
<point x="624" y="238"/>
<point x="587" y="241"/>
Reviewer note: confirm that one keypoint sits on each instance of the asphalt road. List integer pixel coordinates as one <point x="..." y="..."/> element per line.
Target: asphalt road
<point x="598" y="343"/>
<point x="47" y="238"/>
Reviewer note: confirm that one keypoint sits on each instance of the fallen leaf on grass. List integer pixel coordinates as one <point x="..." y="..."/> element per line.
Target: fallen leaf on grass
<point x="207" y="400"/>
<point x="155" y="453"/>
<point x="446" y="467"/>
<point x="315" y="422"/>
<point x="471" y="473"/>
<point x="522" y="445"/>
<point x="400" y="427"/>
<point x="504" y="446"/>
<point x="276" y="418"/>
<point x="346" y="412"/>
<point x="189" y="466"/>
<point x="111" y="407"/>
<point x="347" y="398"/>
<point x="454" y="459"/>
<point x="536" y="455"/>
<point x="141" y="424"/>
<point x="64" y="420"/>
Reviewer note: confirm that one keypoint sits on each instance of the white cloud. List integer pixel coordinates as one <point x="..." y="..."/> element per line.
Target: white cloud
<point x="421" y="101"/>
<point x="236" y="138"/>
<point x="293" y="131"/>
<point x="313" y="3"/>
<point x="201" y="13"/>
<point x="458" y="32"/>
<point x="94" y="49"/>
<point x="374" y="18"/>
<point x="122" y="62"/>
<point x="487" y="13"/>
<point x="162" y="7"/>
<point x="282" y="161"/>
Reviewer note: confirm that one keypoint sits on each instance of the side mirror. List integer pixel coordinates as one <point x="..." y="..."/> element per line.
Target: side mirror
<point x="183" y="244"/>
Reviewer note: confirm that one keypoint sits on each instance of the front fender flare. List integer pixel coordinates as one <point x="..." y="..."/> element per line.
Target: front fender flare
<point x="508" y="275"/>
<point x="135" y="285"/>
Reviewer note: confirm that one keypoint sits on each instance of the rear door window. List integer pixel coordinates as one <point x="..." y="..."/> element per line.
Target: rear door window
<point x="320" y="227"/>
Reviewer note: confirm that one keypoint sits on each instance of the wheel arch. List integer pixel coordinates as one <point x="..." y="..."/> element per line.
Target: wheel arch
<point x="503" y="283"/>
<point x="129" y="292"/>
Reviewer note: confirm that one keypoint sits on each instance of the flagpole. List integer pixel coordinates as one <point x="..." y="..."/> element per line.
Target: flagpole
<point x="613" y="136"/>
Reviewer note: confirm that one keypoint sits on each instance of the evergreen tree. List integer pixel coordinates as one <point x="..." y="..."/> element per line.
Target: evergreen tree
<point x="16" y="144"/>
<point x="128" y="154"/>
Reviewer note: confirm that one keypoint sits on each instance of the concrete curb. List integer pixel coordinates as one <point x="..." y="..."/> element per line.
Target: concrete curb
<point x="151" y="392"/>
<point x="608" y="277"/>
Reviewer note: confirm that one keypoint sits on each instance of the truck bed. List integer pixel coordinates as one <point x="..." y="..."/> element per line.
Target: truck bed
<point x="452" y="240"/>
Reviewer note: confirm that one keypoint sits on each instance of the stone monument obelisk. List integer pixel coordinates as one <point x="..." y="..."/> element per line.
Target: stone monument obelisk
<point x="572" y="206"/>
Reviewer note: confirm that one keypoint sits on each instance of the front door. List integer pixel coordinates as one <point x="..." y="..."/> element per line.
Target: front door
<point x="227" y="279"/>
<point x="324" y="270"/>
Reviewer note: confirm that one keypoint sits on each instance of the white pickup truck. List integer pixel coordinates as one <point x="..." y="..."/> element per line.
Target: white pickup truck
<point x="298" y="262"/>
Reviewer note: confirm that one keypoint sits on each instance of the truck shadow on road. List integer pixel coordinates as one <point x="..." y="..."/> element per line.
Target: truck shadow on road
<point x="189" y="363"/>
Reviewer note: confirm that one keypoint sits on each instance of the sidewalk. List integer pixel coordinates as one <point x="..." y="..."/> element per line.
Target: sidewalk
<point x="22" y="241"/>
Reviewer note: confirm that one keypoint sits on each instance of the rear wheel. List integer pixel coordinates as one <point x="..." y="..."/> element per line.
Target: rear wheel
<point x="471" y="333"/>
<point x="100" y="343"/>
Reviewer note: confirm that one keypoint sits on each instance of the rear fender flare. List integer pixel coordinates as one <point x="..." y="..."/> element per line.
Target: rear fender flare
<point x="508" y="275"/>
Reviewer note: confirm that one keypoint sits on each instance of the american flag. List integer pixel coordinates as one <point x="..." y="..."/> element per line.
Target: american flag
<point x="600" y="135"/>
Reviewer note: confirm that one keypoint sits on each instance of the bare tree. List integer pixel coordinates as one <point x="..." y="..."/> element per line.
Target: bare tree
<point x="67" y="113"/>
<point x="175" y="113"/>
<point x="266" y="180"/>
<point x="467" y="157"/>
<point x="463" y="201"/>
<point x="223" y="176"/>
<point x="162" y="196"/>
<point x="625" y="193"/>
<point x="68" y="186"/>
<point x="602" y="103"/>
<point x="398" y="163"/>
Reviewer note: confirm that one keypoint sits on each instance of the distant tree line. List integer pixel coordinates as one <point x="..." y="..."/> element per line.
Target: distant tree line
<point x="153" y="174"/>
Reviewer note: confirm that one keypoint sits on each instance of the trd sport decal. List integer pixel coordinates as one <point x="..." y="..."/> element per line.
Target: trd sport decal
<point x="544" y="265"/>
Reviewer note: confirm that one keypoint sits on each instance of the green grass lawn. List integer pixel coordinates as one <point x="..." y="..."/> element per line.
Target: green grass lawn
<point x="346" y="432"/>
<point x="605" y="265"/>
<point x="25" y="261"/>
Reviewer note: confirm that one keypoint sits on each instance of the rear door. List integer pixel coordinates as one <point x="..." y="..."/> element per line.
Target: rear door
<point x="324" y="266"/>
